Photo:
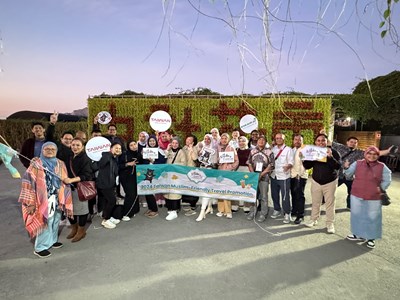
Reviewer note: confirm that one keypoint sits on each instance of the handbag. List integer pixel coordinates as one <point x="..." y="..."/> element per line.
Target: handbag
<point x="86" y="189"/>
<point x="385" y="200"/>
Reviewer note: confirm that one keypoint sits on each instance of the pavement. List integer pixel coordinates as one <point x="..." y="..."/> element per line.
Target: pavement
<point x="213" y="259"/>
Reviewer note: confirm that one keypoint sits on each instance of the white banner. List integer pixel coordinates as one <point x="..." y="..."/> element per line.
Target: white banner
<point x="150" y="153"/>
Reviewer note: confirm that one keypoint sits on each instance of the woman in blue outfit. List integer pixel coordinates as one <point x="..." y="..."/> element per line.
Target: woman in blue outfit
<point x="371" y="177"/>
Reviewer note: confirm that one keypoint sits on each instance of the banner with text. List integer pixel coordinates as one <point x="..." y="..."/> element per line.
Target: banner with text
<point x="164" y="179"/>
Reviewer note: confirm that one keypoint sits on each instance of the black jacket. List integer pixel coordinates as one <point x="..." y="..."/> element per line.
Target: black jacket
<point x="108" y="171"/>
<point x="81" y="165"/>
<point x="325" y="172"/>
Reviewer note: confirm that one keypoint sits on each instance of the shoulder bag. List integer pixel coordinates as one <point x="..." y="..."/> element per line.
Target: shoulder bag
<point x="86" y="189"/>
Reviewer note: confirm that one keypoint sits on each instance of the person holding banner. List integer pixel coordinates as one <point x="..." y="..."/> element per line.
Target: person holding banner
<point x="207" y="157"/>
<point x="43" y="197"/>
<point x="261" y="160"/>
<point x="107" y="181"/>
<point x="152" y="154"/>
<point x="243" y="153"/>
<point x="228" y="161"/>
<point x="142" y="141"/>
<point x="175" y="155"/>
<point x="191" y="152"/>
<point x="79" y="168"/>
<point x="323" y="183"/>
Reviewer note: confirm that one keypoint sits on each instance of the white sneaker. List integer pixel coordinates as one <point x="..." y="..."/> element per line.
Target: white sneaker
<point x="286" y="219"/>
<point x="171" y="215"/>
<point x="219" y="214"/>
<point x="330" y="228"/>
<point x="125" y="218"/>
<point x="275" y="214"/>
<point x="115" y="221"/>
<point x="108" y="224"/>
<point x="229" y="216"/>
<point x="311" y="223"/>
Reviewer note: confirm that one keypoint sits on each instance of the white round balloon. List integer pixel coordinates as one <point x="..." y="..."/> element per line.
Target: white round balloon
<point x="160" y="120"/>
<point x="96" y="146"/>
<point x="248" y="123"/>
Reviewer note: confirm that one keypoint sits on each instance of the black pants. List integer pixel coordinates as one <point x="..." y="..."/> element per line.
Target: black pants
<point x="348" y="184"/>
<point x="173" y="204"/>
<point x="100" y="200"/>
<point x="131" y="202"/>
<point x="151" y="203"/>
<point x="297" y="187"/>
<point x="109" y="202"/>
<point x="91" y="204"/>
<point x="80" y="219"/>
<point x="192" y="200"/>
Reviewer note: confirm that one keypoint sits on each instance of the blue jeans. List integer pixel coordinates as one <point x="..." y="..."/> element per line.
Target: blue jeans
<point x="282" y="187"/>
<point x="46" y="239"/>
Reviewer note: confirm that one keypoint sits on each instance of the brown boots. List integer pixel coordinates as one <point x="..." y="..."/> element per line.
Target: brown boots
<point x="77" y="233"/>
<point x="74" y="230"/>
<point x="80" y="234"/>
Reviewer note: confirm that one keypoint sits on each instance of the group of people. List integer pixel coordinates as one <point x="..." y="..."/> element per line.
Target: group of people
<point x="49" y="186"/>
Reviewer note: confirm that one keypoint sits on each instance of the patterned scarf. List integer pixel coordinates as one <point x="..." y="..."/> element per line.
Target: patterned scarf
<point x="34" y="191"/>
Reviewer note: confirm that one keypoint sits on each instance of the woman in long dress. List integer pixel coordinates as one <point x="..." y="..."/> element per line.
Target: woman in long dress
<point x="370" y="178"/>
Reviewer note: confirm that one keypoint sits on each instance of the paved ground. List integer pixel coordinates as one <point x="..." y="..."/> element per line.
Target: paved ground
<point x="213" y="259"/>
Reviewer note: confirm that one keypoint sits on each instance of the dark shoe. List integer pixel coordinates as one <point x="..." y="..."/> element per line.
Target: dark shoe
<point x="57" y="245"/>
<point x="42" y="254"/>
<point x="293" y="214"/>
<point x="298" y="220"/>
<point x="353" y="237"/>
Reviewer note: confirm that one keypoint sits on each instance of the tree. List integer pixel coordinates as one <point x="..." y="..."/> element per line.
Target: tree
<point x="384" y="108"/>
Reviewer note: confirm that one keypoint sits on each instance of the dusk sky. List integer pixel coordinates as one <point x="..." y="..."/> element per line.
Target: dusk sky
<point x="55" y="53"/>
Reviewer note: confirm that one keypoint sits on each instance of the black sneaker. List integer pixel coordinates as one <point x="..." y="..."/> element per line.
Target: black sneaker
<point x="42" y="254"/>
<point x="371" y="244"/>
<point x="298" y="220"/>
<point x="57" y="245"/>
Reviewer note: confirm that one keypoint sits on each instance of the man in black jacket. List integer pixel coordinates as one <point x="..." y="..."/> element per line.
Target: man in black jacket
<point x="323" y="183"/>
<point x="32" y="147"/>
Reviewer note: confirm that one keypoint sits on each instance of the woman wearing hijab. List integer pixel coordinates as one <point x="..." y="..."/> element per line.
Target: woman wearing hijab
<point x="79" y="168"/>
<point x="107" y="181"/>
<point x="150" y="199"/>
<point x="215" y="138"/>
<point x="44" y="196"/>
<point x="208" y="158"/>
<point x="127" y="175"/>
<point x="175" y="155"/>
<point x="224" y="206"/>
<point x="370" y="178"/>
<point x="142" y="141"/>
